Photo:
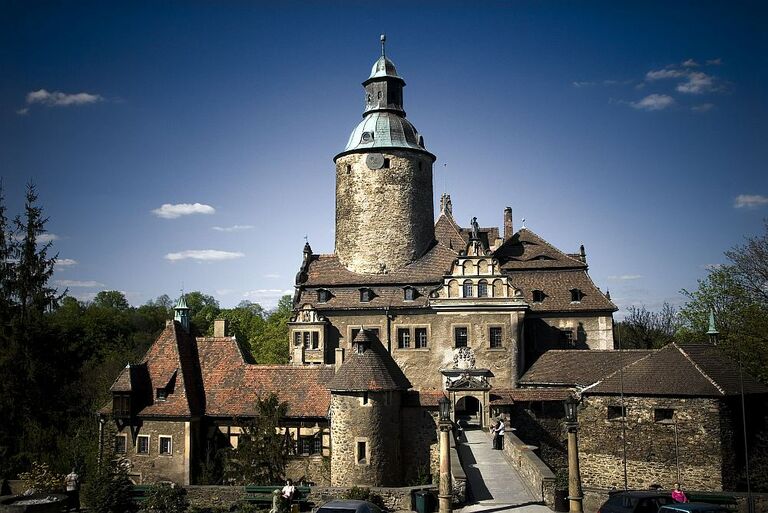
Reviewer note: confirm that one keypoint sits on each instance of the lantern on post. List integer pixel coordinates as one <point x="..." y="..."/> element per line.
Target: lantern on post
<point x="575" y="496"/>
<point x="445" y="409"/>
<point x="570" y="409"/>
<point x="445" y="490"/>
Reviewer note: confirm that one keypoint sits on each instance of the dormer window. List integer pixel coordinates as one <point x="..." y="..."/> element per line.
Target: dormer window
<point x="121" y="406"/>
<point x="409" y="294"/>
<point x="576" y="295"/>
<point x="366" y="295"/>
<point x="538" y="296"/>
<point x="161" y="394"/>
<point x="323" y="295"/>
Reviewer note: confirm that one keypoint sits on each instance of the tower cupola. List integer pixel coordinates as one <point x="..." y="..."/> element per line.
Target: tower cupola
<point x="181" y="312"/>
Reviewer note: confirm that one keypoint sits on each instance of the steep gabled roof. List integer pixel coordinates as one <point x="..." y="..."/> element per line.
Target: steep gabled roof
<point x="526" y="250"/>
<point x="679" y="370"/>
<point x="577" y="367"/>
<point x="556" y="285"/>
<point x="371" y="370"/>
<point x="349" y="297"/>
<point x="449" y="234"/>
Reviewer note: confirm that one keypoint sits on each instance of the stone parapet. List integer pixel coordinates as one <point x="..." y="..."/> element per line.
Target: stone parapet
<point x="537" y="476"/>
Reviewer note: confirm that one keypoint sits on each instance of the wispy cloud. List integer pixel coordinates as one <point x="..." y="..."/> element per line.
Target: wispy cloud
<point x="690" y="63"/>
<point x="59" y="99"/>
<point x="591" y="83"/>
<point x="204" y="255"/>
<point x="233" y="228"/>
<point x="698" y="82"/>
<point x="65" y="262"/>
<point x="654" y="102"/>
<point x="715" y="62"/>
<point x="704" y="107"/>
<point x="750" y="201"/>
<point x="625" y="277"/>
<point x="172" y="211"/>
<point x="662" y="74"/>
<point x="43" y="238"/>
<point x="79" y="284"/>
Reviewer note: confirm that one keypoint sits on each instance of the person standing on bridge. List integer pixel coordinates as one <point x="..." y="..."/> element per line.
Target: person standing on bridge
<point x="498" y="437"/>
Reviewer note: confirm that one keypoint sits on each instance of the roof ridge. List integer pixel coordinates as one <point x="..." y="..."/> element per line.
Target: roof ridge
<point x="696" y="366"/>
<point x="542" y="239"/>
<point x="600" y="291"/>
<point x="620" y="369"/>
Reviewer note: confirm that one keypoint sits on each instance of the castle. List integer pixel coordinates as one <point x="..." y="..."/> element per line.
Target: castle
<point x="406" y="310"/>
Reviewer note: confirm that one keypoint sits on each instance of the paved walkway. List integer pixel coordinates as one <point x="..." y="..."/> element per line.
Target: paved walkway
<point x="494" y="485"/>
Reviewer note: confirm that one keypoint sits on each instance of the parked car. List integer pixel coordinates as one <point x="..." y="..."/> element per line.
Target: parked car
<point x="693" y="507"/>
<point x="636" y="501"/>
<point x="348" y="506"/>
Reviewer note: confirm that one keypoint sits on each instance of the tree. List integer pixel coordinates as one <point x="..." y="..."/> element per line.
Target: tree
<point x="203" y="309"/>
<point x="750" y="266"/>
<point x="644" y="329"/>
<point x="270" y="344"/>
<point x="113" y="299"/>
<point x="109" y="490"/>
<point x="261" y="451"/>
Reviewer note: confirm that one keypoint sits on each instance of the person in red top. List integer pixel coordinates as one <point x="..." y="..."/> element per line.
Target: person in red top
<point x="678" y="495"/>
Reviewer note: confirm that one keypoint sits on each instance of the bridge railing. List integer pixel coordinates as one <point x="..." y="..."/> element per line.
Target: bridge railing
<point x="537" y="475"/>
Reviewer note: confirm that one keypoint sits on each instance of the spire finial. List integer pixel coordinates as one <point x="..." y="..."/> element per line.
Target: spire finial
<point x="712" y="332"/>
<point x="383" y="39"/>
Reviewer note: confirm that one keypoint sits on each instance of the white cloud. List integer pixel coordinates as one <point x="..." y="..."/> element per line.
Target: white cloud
<point x="654" y="102"/>
<point x="43" y="238"/>
<point x="23" y="111"/>
<point x="84" y="296"/>
<point x="715" y="62"/>
<point x="233" y="228"/>
<point x="750" y="201"/>
<point x="704" y="107"/>
<point x="59" y="99"/>
<point x="204" y="255"/>
<point x="690" y="63"/>
<point x="582" y="83"/>
<point x="272" y="276"/>
<point x="664" y="73"/>
<point x="171" y="211"/>
<point x="77" y="283"/>
<point x="625" y="277"/>
<point x="65" y="262"/>
<point x="697" y="83"/>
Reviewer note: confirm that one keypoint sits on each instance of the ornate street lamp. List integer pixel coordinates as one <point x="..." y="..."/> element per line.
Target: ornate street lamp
<point x="574" y="477"/>
<point x="445" y="493"/>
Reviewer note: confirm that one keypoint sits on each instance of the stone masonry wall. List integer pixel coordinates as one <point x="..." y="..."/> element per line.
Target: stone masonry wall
<point x="383" y="216"/>
<point x="419" y="450"/>
<point x="314" y="469"/>
<point x="651" y="454"/>
<point x="378" y="425"/>
<point x="153" y="467"/>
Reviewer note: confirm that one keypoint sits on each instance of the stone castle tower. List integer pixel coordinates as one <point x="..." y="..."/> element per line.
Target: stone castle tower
<point x="365" y="411"/>
<point x="384" y="212"/>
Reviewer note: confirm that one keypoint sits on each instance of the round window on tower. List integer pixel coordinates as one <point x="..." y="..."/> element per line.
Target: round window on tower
<point x="367" y="137"/>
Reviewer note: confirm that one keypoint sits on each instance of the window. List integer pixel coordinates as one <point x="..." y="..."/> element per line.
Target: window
<point x="460" y="336"/>
<point x="349" y="167"/>
<point x="308" y="445"/>
<point x="663" y="415"/>
<point x="421" y="337"/>
<point x="386" y="163"/>
<point x="317" y="444"/>
<point x="403" y="338"/>
<point x="366" y="295"/>
<point x="482" y="289"/>
<point x="566" y="336"/>
<point x="616" y="413"/>
<point x="364" y="398"/>
<point x="538" y="296"/>
<point x="296" y="338"/>
<point x="576" y="295"/>
<point x="142" y="444"/>
<point x="315" y="340"/>
<point x="121" y="441"/>
<point x="467" y="288"/>
<point x="307" y="335"/>
<point x="166" y="445"/>
<point x="495" y="336"/>
<point x="323" y="296"/>
<point x="409" y="294"/>
<point x="161" y="394"/>
<point x="121" y="405"/>
<point x="361" y="453"/>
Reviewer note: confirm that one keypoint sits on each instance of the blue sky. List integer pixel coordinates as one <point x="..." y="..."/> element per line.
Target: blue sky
<point x="637" y="128"/>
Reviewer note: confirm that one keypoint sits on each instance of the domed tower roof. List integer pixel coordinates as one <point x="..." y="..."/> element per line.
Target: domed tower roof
<point x="370" y="368"/>
<point x="384" y="124"/>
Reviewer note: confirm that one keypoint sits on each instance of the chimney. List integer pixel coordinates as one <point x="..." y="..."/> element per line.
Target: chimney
<point x="220" y="328"/>
<point x="508" y="229"/>
<point x="339" y="358"/>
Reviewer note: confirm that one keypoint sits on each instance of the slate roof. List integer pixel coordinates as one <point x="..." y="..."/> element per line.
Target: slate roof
<point x="577" y="367"/>
<point x="557" y="285"/>
<point x="349" y="297"/>
<point x="526" y="250"/>
<point x="502" y="396"/>
<point x="450" y="234"/>
<point x="699" y="370"/>
<point x="372" y="370"/>
<point x="327" y="270"/>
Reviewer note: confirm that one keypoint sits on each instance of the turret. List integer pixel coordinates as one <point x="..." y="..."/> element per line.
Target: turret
<point x="181" y="313"/>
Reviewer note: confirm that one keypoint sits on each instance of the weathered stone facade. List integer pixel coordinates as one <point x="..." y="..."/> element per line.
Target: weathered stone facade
<point x="365" y="439"/>
<point x="383" y="216"/>
<point x="153" y="466"/>
<point x="696" y="438"/>
<point x="419" y="448"/>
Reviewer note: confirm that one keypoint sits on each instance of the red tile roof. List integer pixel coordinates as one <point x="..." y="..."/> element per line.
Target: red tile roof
<point x="556" y="285"/>
<point x="526" y="250"/>
<point x="368" y="370"/>
<point x="577" y="367"/>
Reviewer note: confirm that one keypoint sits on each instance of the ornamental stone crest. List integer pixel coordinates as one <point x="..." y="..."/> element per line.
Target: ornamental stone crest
<point x="463" y="358"/>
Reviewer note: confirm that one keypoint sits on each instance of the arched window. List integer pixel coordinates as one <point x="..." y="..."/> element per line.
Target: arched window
<point x="468" y="268"/>
<point x="453" y="288"/>
<point x="482" y="289"/>
<point x="498" y="288"/>
<point x="467" y="288"/>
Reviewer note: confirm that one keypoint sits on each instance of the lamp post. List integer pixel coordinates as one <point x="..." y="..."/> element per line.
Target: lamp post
<point x="445" y="494"/>
<point x="574" y="476"/>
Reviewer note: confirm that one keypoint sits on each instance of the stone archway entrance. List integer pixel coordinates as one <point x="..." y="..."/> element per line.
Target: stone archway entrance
<point x="469" y="409"/>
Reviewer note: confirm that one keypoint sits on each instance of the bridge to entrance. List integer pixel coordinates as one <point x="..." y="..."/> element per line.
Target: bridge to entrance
<point x="493" y="483"/>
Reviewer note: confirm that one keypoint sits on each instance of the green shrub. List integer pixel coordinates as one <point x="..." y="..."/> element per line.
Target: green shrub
<point x="43" y="479"/>
<point x="109" y="490"/>
<point x="166" y="498"/>
<point x="364" y="494"/>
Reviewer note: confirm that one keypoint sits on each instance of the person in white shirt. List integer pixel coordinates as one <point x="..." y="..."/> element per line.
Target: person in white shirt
<point x="72" y="481"/>
<point x="288" y="491"/>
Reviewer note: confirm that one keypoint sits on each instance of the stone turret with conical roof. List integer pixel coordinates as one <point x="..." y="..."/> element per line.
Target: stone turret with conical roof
<point x="366" y="398"/>
<point x="384" y="211"/>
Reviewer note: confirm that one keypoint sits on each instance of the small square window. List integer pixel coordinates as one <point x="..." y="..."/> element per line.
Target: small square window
<point x="663" y="415"/>
<point x="307" y="342"/>
<point x="361" y="456"/>
<point x="460" y="336"/>
<point x="323" y="296"/>
<point x="495" y="336"/>
<point x="317" y="445"/>
<point x="142" y="444"/>
<point x="617" y="413"/>
<point x="161" y="394"/>
<point x="421" y="337"/>
<point x="166" y="443"/>
<point x="576" y="295"/>
<point x="538" y="296"/>
<point x="121" y="441"/>
<point x="566" y="335"/>
<point x="366" y="295"/>
<point x="386" y="163"/>
<point x="315" y="340"/>
<point x="409" y="294"/>
<point x="403" y="338"/>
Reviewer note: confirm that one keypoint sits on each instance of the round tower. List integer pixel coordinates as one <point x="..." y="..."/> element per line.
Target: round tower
<point x="384" y="211"/>
<point x="365" y="416"/>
